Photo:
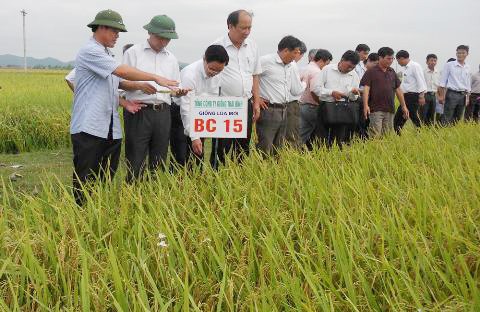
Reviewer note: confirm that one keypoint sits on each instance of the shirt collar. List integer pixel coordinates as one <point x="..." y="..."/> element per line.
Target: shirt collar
<point x="227" y="42"/>
<point x="335" y="67"/>
<point x="146" y="46"/>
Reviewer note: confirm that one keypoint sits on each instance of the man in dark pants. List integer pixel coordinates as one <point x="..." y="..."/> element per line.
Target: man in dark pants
<point x="178" y="140"/>
<point x="362" y="128"/>
<point x="278" y="83"/>
<point x="455" y="84"/>
<point x="335" y="84"/>
<point x="432" y="77"/>
<point x="147" y="133"/>
<point x="202" y="78"/>
<point x="95" y="125"/>
<point x="310" y="124"/>
<point x="473" y="109"/>
<point x="239" y="78"/>
<point x="292" y="135"/>
<point x="413" y="87"/>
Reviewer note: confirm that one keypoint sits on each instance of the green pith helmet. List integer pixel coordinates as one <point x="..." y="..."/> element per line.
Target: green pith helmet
<point x="108" y="18"/>
<point x="162" y="26"/>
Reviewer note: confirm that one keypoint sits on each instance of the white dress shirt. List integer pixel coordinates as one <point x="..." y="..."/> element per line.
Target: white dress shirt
<point x="163" y="63"/>
<point x="432" y="78"/>
<point x="194" y="77"/>
<point x="476" y="83"/>
<point x="243" y="64"/>
<point x="70" y="77"/>
<point x="360" y="69"/>
<point x="456" y="77"/>
<point x="413" y="79"/>
<point x="296" y="82"/>
<point x="277" y="84"/>
<point x="330" y="79"/>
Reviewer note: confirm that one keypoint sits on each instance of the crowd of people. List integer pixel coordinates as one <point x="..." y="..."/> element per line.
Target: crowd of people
<point x="322" y="103"/>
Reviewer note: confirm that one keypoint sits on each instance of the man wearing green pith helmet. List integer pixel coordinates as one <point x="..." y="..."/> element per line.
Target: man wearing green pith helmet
<point x="148" y="132"/>
<point x="95" y="125"/>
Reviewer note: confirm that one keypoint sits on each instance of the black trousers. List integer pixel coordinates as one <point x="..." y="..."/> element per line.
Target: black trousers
<point x="360" y="129"/>
<point x="329" y="134"/>
<point x="472" y="111"/>
<point x="427" y="111"/>
<point x="178" y="139"/>
<point x="147" y="134"/>
<point x="93" y="158"/>
<point x="411" y="100"/>
<point x="239" y="147"/>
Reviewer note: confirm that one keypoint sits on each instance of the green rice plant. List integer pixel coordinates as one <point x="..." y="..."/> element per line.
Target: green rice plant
<point x="385" y="225"/>
<point x="34" y="111"/>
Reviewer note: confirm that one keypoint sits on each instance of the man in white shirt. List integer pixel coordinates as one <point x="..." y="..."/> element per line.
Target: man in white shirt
<point x="360" y="130"/>
<point x="240" y="78"/>
<point x="473" y="109"/>
<point x="292" y="135"/>
<point x="363" y="51"/>
<point x="413" y="87"/>
<point x="432" y="78"/>
<point x="311" y="125"/>
<point x="454" y="86"/>
<point x="337" y="83"/>
<point x="276" y="89"/>
<point x="203" y="78"/>
<point x="147" y="133"/>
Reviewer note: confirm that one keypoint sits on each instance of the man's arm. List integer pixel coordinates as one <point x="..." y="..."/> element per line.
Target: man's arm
<point x="145" y="87"/>
<point x="130" y="106"/>
<point x="258" y="103"/>
<point x="401" y="98"/>
<point x="443" y="84"/>
<point x="365" y="95"/>
<point x="131" y="73"/>
<point x="422" y="84"/>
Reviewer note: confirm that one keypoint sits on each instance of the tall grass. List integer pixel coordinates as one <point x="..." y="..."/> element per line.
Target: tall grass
<point x="34" y="111"/>
<point x="390" y="225"/>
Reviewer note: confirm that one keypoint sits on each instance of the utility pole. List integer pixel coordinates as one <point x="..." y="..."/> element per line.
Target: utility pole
<point x="24" y="42"/>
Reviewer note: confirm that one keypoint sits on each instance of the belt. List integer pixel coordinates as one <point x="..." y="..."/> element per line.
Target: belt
<point x="155" y="106"/>
<point x="277" y="105"/>
<point x="431" y="92"/>
<point x="457" y="92"/>
<point x="412" y="93"/>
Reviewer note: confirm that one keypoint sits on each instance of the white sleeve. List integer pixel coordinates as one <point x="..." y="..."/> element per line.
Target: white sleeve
<point x="185" y="102"/>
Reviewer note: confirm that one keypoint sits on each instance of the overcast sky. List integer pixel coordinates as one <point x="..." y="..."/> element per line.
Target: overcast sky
<point x="57" y="28"/>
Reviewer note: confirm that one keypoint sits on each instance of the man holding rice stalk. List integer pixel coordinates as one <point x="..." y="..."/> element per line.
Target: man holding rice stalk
<point x="95" y="126"/>
<point x="203" y="78"/>
<point x="147" y="133"/>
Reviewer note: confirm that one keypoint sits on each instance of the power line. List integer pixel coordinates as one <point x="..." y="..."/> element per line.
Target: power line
<point x="23" y="12"/>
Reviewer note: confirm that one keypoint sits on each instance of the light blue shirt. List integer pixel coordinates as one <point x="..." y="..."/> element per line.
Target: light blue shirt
<point x="456" y="77"/>
<point x="96" y="92"/>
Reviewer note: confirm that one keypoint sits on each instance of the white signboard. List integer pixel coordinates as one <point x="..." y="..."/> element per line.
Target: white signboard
<point x="218" y="117"/>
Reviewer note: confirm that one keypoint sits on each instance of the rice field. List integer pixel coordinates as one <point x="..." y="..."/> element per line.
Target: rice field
<point x="34" y="110"/>
<point x="389" y="225"/>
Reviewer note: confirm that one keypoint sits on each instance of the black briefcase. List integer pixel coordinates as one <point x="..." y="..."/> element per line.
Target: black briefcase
<point x="341" y="113"/>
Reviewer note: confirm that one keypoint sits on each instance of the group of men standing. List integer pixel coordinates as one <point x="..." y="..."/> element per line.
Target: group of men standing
<point x="288" y="104"/>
